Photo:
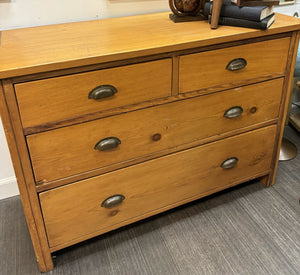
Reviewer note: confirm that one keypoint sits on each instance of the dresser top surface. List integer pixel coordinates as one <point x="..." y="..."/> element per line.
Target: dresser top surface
<point x="53" y="47"/>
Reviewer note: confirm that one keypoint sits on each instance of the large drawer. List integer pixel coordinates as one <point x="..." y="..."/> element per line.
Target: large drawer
<point x="207" y="69"/>
<point x="78" y="210"/>
<point x="67" y="151"/>
<point x="59" y="98"/>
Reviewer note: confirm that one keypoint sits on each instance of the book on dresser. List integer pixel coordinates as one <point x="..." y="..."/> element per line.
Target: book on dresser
<point x="237" y="22"/>
<point x="257" y="13"/>
<point x="258" y="17"/>
<point x="251" y="3"/>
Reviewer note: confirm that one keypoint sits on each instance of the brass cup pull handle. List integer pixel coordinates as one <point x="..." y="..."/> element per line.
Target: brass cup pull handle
<point x="102" y="92"/>
<point x="236" y="64"/>
<point x="233" y="112"/>
<point x="229" y="163"/>
<point x="112" y="201"/>
<point x="107" y="143"/>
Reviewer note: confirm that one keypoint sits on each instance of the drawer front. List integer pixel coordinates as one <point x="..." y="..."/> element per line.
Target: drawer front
<point x="208" y="69"/>
<point x="59" y="98"/>
<point x="81" y="208"/>
<point x="70" y="150"/>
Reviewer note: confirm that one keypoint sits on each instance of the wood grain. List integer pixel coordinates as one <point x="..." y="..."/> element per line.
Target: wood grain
<point x="145" y="104"/>
<point x="58" y="153"/>
<point x="66" y="97"/>
<point x="27" y="192"/>
<point x="70" y="45"/>
<point x="75" y="210"/>
<point x="207" y="69"/>
<point x="158" y="211"/>
<point x="44" y="186"/>
<point x="141" y="59"/>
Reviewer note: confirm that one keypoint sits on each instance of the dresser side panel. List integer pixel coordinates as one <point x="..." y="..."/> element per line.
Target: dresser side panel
<point x="292" y="54"/>
<point x="28" y="194"/>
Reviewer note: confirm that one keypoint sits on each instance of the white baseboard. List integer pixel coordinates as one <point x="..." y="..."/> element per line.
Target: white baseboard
<point x="8" y="188"/>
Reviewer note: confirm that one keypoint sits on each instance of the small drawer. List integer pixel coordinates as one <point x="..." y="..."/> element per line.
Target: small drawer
<point x="235" y="64"/>
<point x="64" y="97"/>
<point x="105" y="202"/>
<point x="84" y="147"/>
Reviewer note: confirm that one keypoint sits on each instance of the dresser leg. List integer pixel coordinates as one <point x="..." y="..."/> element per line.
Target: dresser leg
<point x="266" y="180"/>
<point x="37" y="234"/>
<point x="45" y="267"/>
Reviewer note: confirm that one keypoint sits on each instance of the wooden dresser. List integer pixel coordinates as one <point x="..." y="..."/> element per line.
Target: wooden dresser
<point x="112" y="121"/>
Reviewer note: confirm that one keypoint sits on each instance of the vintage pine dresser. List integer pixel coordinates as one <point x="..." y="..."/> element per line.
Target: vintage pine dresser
<point x="112" y="121"/>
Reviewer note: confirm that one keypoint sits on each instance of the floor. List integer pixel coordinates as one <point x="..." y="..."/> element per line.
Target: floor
<point x="248" y="229"/>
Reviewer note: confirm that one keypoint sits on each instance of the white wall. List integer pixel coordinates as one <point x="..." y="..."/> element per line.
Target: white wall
<point x="24" y="13"/>
<point x="8" y="186"/>
<point x="21" y="13"/>
<point x="289" y="9"/>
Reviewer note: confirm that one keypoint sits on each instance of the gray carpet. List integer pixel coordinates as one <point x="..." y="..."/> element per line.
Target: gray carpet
<point x="248" y="229"/>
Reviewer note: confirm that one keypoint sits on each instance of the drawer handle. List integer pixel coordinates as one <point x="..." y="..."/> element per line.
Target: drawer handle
<point x="102" y="92"/>
<point x="233" y="112"/>
<point x="107" y="143"/>
<point x="112" y="201"/>
<point x="236" y="64"/>
<point x="230" y="163"/>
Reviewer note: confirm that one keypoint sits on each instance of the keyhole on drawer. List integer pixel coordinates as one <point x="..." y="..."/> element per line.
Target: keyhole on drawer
<point x="156" y="137"/>
<point x="114" y="213"/>
<point x="253" y="110"/>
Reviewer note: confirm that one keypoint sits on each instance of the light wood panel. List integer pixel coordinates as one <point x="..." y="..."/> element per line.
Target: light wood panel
<point x="58" y="153"/>
<point x="208" y="69"/>
<point x="54" y="47"/>
<point x="75" y="210"/>
<point x="60" y="98"/>
<point x="140" y="59"/>
<point x="156" y="102"/>
<point x="44" y="186"/>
